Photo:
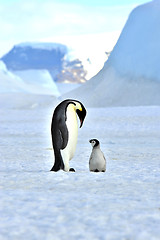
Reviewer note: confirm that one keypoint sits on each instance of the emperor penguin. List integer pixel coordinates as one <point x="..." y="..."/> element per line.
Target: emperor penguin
<point x="64" y="131"/>
<point x="97" y="161"/>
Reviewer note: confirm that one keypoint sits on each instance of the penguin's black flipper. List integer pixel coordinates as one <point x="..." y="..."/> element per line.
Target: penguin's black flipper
<point x="59" y="134"/>
<point x="63" y="131"/>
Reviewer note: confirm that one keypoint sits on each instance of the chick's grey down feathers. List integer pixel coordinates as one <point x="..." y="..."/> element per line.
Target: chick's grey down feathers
<point x="97" y="161"/>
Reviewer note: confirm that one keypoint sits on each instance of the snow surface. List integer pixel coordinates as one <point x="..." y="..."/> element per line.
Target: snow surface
<point x="67" y="87"/>
<point x="137" y="52"/>
<point x="9" y="82"/>
<point x="38" y="81"/>
<point x="131" y="76"/>
<point x="29" y="81"/>
<point x="122" y="203"/>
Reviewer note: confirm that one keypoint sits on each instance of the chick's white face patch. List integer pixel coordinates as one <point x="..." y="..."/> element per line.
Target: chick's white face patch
<point x="93" y="143"/>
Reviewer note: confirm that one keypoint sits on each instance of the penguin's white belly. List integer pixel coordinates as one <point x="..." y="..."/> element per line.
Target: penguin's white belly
<point x="97" y="161"/>
<point x="72" y="126"/>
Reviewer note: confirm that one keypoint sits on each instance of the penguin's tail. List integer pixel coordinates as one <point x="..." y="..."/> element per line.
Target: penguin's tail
<point x="58" y="164"/>
<point x="56" y="168"/>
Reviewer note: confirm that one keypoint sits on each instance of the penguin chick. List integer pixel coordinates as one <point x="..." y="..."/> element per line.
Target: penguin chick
<point x="97" y="161"/>
<point x="64" y="131"/>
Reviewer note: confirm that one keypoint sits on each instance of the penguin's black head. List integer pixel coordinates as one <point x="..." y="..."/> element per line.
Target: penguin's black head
<point x="81" y="112"/>
<point x="94" y="142"/>
<point x="78" y="107"/>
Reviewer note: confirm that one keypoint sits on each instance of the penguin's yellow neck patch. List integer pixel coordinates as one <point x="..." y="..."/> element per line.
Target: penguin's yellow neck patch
<point x="75" y="107"/>
<point x="71" y="107"/>
<point x="78" y="106"/>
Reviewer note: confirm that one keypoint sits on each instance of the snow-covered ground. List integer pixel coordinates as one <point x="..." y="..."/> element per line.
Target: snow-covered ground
<point x="38" y="81"/>
<point x="122" y="203"/>
<point x="29" y="82"/>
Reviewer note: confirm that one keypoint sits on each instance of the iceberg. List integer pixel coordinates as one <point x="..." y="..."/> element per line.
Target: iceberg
<point x="131" y="75"/>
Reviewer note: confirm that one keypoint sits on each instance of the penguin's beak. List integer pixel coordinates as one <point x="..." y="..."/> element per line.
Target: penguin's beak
<point x="81" y="114"/>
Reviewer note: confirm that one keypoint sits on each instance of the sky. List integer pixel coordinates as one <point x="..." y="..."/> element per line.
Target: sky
<point x="86" y="26"/>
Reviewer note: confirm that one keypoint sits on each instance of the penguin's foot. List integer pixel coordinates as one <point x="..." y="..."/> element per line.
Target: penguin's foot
<point x="96" y="170"/>
<point x="72" y="170"/>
